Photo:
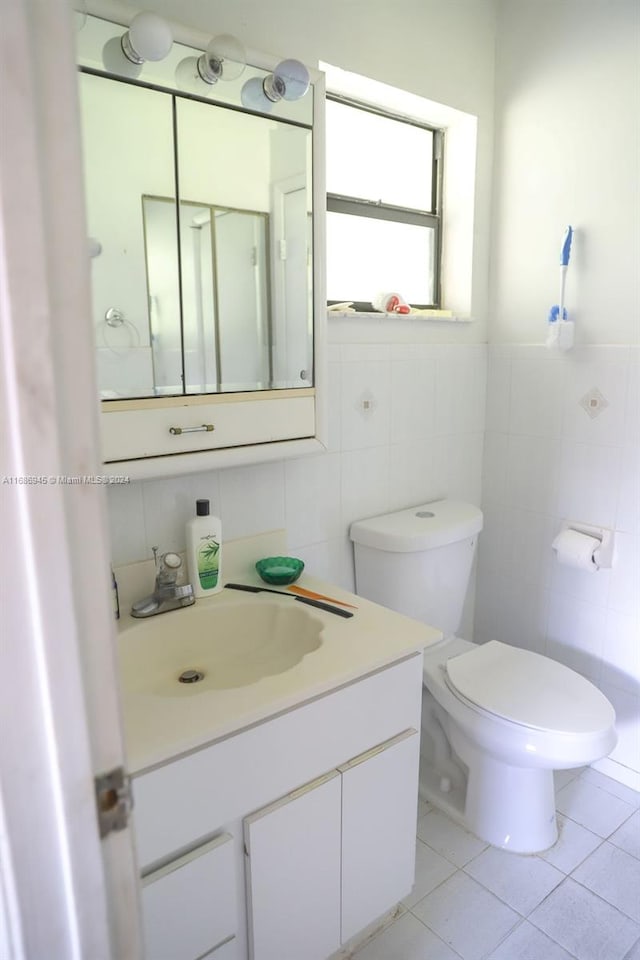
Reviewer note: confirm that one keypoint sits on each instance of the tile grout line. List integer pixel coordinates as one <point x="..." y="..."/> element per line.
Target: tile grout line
<point x="523" y="918"/>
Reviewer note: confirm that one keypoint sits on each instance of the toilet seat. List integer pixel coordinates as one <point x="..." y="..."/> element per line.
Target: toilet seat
<point x="528" y="689"/>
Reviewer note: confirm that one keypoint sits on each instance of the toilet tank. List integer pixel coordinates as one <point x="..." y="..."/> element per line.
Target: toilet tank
<point x="418" y="561"/>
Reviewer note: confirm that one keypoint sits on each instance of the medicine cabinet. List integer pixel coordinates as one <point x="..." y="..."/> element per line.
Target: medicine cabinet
<point x="205" y="230"/>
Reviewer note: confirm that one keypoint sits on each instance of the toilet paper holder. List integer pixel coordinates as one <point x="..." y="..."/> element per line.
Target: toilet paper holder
<point x="603" y="555"/>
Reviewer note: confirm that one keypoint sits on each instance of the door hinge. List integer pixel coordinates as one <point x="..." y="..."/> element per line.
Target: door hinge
<point x="114" y="800"/>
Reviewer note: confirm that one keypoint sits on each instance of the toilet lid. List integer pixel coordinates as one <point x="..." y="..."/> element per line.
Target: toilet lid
<point x="529" y="689"/>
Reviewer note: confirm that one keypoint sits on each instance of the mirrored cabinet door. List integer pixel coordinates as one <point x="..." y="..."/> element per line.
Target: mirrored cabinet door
<point x="120" y="121"/>
<point x="224" y="177"/>
<point x="202" y="222"/>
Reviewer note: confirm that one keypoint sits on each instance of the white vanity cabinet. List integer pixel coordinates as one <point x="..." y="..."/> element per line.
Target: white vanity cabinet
<point x="188" y="906"/>
<point x="319" y="806"/>
<point x="379" y="811"/>
<point x="328" y="859"/>
<point x="293" y="854"/>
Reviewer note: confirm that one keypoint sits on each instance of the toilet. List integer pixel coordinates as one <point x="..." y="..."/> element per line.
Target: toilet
<point x="497" y="720"/>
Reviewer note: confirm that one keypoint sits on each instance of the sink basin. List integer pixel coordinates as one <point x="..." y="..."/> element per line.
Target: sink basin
<point x="230" y="645"/>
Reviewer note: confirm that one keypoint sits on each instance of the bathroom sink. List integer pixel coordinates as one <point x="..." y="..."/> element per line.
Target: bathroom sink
<point x="224" y="646"/>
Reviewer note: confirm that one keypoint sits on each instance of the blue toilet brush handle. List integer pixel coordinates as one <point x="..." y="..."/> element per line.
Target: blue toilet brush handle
<point x="565" y="253"/>
<point x="558" y="311"/>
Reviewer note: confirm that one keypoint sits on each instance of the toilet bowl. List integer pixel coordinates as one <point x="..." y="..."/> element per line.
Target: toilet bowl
<point x="510" y="718"/>
<point x="496" y="720"/>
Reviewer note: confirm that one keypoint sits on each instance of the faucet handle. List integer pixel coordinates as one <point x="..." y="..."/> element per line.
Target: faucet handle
<point x="168" y="568"/>
<point x="170" y="559"/>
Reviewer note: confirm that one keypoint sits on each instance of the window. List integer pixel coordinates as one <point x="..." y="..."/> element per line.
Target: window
<point x="383" y="205"/>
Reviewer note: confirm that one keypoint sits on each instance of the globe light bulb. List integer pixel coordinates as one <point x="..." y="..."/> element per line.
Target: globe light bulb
<point x="253" y="96"/>
<point x="224" y="59"/>
<point x="289" y="81"/>
<point x="295" y="77"/>
<point x="189" y="79"/>
<point x="115" y="61"/>
<point x="148" y="38"/>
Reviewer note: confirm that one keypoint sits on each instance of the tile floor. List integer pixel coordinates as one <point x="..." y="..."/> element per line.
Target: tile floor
<point x="578" y="901"/>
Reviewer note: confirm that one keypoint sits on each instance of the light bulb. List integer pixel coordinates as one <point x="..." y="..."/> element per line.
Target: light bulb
<point x="253" y="96"/>
<point x="224" y="59"/>
<point x="148" y="38"/>
<point x="115" y="61"/>
<point x="295" y="77"/>
<point x="189" y="79"/>
<point x="289" y="81"/>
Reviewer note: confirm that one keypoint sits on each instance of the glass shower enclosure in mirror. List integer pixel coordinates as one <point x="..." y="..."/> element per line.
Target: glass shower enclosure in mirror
<point x="226" y="311"/>
<point x="201" y="226"/>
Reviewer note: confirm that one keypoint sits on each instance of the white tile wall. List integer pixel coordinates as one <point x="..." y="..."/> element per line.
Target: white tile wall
<point x="406" y="425"/>
<point x="545" y="460"/>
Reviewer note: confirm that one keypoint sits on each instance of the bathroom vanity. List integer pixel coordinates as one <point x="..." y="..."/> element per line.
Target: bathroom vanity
<point x="274" y="820"/>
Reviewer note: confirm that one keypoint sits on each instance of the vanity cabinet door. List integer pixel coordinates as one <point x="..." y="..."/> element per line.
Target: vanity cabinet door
<point x="293" y="874"/>
<point x="379" y="809"/>
<point x="189" y="906"/>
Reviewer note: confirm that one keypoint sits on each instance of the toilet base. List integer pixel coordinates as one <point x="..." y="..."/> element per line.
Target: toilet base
<point x="450" y="802"/>
<point x="508" y="807"/>
<point x="512" y="807"/>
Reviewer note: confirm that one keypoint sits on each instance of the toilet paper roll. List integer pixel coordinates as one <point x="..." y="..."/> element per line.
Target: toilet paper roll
<point x="577" y="550"/>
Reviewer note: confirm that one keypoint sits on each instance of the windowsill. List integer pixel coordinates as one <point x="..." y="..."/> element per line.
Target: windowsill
<point x="434" y="316"/>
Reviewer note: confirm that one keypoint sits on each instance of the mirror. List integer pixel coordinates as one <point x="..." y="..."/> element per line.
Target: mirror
<point x="202" y="214"/>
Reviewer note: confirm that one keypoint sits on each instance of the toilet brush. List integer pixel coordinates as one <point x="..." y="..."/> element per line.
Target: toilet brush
<point x="561" y="329"/>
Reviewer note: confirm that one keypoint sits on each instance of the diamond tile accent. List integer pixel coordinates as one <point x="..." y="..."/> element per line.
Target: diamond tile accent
<point x="593" y="402"/>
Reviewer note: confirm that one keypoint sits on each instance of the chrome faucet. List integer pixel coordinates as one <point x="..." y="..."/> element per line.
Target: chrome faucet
<point x="167" y="595"/>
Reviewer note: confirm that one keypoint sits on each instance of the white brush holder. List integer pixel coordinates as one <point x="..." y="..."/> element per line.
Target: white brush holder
<point x="561" y="335"/>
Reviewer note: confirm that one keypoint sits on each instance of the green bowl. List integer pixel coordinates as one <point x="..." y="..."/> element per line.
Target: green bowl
<point x="280" y="570"/>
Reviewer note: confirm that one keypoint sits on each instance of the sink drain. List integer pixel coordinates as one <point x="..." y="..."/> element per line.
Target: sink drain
<point x="191" y="676"/>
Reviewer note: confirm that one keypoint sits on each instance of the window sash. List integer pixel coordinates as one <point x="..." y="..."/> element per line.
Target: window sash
<point x="364" y="208"/>
<point x="337" y="203"/>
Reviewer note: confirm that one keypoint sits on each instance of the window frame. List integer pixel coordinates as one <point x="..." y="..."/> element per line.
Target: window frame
<point x="376" y="209"/>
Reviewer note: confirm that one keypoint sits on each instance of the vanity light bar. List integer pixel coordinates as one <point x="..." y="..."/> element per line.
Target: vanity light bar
<point x="150" y="37"/>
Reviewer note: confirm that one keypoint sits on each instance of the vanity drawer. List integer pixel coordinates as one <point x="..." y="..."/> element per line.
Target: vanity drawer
<point x="142" y="428"/>
<point x="185" y="800"/>
<point x="189" y="906"/>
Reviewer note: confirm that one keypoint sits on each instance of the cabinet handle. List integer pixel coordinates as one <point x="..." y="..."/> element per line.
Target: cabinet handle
<point x="207" y="427"/>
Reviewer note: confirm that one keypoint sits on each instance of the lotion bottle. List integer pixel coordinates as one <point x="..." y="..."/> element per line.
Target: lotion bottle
<point x="204" y="549"/>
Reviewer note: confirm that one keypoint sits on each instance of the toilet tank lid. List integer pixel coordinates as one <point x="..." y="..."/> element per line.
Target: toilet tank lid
<point x="424" y="527"/>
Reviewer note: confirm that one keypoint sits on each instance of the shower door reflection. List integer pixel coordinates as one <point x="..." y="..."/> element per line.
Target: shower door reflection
<point x="224" y="338"/>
